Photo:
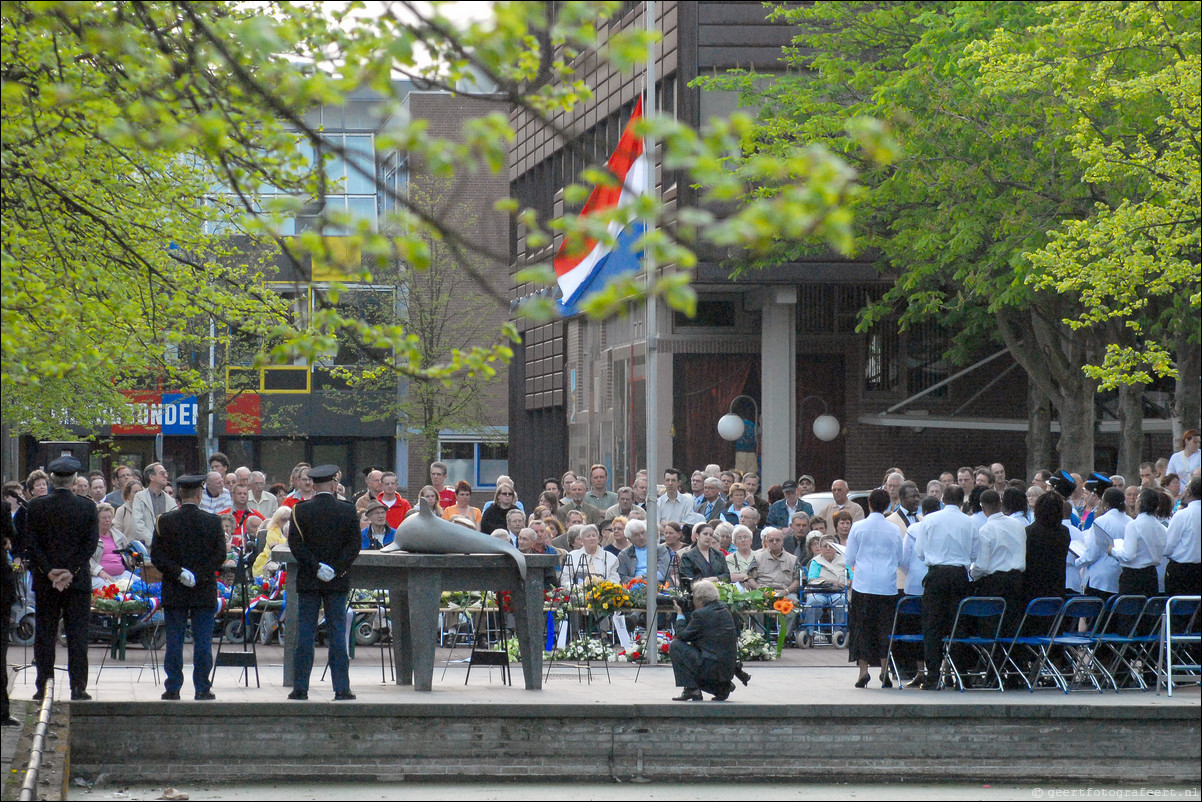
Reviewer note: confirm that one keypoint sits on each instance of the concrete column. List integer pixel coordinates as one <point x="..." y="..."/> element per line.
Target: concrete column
<point x="778" y="378"/>
<point x="665" y="393"/>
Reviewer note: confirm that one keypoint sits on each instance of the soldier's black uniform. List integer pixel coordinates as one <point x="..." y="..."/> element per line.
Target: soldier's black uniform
<point x="188" y="537"/>
<point x="325" y="530"/>
<point x="61" y="531"/>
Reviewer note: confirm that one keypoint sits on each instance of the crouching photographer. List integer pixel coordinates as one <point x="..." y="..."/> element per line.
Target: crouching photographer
<point x="705" y="651"/>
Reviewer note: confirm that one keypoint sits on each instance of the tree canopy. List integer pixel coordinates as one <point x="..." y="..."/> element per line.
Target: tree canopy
<point x="1009" y="214"/>
<point x="138" y="136"/>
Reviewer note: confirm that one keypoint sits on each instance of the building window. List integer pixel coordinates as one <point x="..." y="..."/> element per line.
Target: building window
<point x="476" y="460"/>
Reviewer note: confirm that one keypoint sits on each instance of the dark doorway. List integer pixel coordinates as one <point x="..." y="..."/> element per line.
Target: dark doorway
<point x="820" y="375"/>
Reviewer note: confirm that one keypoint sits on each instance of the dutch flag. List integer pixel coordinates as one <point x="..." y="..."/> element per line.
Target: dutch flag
<point x="588" y="268"/>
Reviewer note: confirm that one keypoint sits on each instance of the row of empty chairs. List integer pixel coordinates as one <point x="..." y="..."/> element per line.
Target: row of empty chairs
<point x="1079" y="643"/>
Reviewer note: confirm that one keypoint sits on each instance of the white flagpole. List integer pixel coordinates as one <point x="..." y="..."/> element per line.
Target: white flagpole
<point x="652" y="335"/>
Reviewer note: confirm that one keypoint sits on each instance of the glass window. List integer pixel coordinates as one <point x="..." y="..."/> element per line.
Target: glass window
<point x="474" y="461"/>
<point x="360" y="175"/>
<point x="461" y="462"/>
<point x="278" y="457"/>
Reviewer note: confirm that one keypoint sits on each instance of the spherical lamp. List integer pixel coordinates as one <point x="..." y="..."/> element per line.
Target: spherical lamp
<point x="826" y="427"/>
<point x="730" y="427"/>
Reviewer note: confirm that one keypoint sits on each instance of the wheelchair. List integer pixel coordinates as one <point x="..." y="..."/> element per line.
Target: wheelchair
<point x="823" y="615"/>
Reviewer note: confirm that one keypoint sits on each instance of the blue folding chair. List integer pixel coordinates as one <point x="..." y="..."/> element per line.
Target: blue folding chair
<point x="1067" y="656"/>
<point x="909" y="609"/>
<point x="1118" y="642"/>
<point x="976" y="614"/>
<point x="1180" y="640"/>
<point x="1039" y="625"/>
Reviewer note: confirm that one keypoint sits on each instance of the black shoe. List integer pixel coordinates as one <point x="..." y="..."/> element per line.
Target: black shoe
<point x="170" y="696"/>
<point x="344" y="696"/>
<point x="299" y="696"/>
<point x="743" y="676"/>
<point x="862" y="682"/>
<point x="689" y="695"/>
<point x="722" y="697"/>
<point x="80" y="696"/>
<point x="9" y="721"/>
<point x="885" y="681"/>
<point x="930" y="685"/>
<point x="207" y="696"/>
<point x="917" y="682"/>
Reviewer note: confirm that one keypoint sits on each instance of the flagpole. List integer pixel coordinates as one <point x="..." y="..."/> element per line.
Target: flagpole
<point x="652" y="334"/>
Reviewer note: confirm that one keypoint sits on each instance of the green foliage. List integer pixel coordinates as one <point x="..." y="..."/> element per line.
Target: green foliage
<point x="1047" y="177"/>
<point x="133" y="132"/>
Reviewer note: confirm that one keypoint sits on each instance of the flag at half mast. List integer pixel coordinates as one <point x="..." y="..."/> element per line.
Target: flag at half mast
<point x="588" y="267"/>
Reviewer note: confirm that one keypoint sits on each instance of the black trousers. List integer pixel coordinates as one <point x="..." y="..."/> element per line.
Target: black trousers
<point x="73" y="608"/>
<point x="1008" y="585"/>
<point x="942" y="590"/>
<point x="1183" y="579"/>
<point x="692" y="670"/>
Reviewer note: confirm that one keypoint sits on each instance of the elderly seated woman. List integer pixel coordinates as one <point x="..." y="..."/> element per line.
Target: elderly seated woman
<point x="826" y="579"/>
<point x="277" y="534"/>
<point x="108" y="568"/>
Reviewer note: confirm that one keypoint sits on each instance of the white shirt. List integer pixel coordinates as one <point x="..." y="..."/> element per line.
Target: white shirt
<point x="217" y="503"/>
<point x="1143" y="543"/>
<point x="578" y="565"/>
<point x="1185" y="532"/>
<point x="1001" y="545"/>
<point x="669" y="510"/>
<point x="1184" y="467"/>
<point x="949" y="538"/>
<point x="916" y="569"/>
<point x="874" y="548"/>
<point x="1102" y="570"/>
<point x="1072" y="573"/>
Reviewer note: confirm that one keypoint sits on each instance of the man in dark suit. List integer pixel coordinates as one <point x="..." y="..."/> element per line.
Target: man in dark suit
<point x="189" y="548"/>
<point x="324" y="538"/>
<point x="705" y="651"/>
<point x="62" y="530"/>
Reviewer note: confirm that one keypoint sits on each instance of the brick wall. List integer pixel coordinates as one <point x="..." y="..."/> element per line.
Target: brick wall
<point x="667" y="743"/>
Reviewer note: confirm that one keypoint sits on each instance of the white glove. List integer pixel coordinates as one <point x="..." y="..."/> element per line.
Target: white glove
<point x="324" y="572"/>
<point x="187" y="578"/>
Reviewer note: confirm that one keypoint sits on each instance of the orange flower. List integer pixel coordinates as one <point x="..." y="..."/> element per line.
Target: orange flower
<point x="783" y="606"/>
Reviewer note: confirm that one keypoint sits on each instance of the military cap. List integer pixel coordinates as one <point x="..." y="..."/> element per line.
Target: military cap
<point x="324" y="473"/>
<point x="64" y="466"/>
<point x="189" y="481"/>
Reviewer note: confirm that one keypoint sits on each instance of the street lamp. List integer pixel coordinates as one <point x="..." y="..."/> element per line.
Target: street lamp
<point x="731" y="426"/>
<point x="826" y="426"/>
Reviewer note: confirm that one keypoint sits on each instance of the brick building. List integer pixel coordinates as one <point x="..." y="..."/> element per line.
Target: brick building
<point x="784" y="337"/>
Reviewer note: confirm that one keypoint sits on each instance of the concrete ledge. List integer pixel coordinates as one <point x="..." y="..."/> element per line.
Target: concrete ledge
<point x="189" y="741"/>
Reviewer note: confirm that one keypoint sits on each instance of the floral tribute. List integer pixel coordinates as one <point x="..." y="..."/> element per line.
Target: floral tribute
<point x="638" y="651"/>
<point x="606" y="597"/>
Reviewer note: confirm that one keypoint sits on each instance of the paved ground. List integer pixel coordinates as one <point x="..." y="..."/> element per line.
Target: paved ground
<point x="801" y="676"/>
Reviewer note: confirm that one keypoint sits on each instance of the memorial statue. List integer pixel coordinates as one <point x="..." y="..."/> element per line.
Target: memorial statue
<point x="426" y="533"/>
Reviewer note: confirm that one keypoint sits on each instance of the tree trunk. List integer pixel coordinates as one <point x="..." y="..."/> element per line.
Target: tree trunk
<point x="1076" y="443"/>
<point x="1040" y="453"/>
<point x="1187" y="400"/>
<point x="1131" y="430"/>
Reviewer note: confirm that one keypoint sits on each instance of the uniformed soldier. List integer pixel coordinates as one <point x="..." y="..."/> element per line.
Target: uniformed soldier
<point x="62" y="530"/>
<point x="324" y="538"/>
<point x="188" y="548"/>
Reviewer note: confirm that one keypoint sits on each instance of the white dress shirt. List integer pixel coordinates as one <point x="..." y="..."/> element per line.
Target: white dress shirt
<point x="1185" y="532"/>
<point x="916" y="569"/>
<point x="1073" y="579"/>
<point x="603" y="565"/>
<point x="874" y="549"/>
<point x="1001" y="545"/>
<point x="1101" y="569"/>
<point x="949" y="538"/>
<point x="1143" y="543"/>
<point x="674" y="510"/>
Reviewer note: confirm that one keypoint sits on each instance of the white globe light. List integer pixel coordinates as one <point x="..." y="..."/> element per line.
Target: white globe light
<point x="826" y="427"/>
<point x="730" y="426"/>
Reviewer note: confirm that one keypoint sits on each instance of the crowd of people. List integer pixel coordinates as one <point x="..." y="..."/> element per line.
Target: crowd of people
<point x="973" y="531"/>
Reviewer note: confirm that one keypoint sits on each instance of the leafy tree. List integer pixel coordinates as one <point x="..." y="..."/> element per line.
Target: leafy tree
<point x="983" y="177"/>
<point x="137" y="136"/>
